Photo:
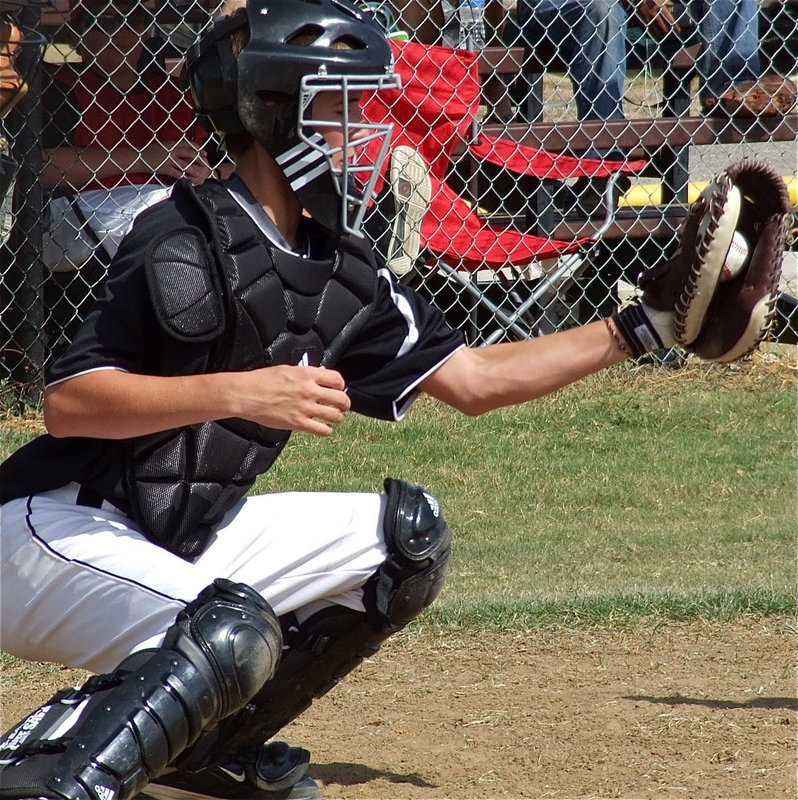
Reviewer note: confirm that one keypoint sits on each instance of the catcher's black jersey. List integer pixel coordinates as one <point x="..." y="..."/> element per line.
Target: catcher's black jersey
<point x="403" y="340"/>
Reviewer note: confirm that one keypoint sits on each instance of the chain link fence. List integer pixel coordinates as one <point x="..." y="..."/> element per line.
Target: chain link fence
<point x="106" y="127"/>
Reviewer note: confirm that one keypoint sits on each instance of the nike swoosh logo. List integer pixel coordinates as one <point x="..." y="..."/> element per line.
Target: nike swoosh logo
<point x="236" y="776"/>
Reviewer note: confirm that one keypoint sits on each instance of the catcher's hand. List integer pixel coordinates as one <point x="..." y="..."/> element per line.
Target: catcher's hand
<point x="722" y="321"/>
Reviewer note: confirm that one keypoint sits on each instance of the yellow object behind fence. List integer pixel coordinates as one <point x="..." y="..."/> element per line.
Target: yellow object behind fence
<point x="646" y="194"/>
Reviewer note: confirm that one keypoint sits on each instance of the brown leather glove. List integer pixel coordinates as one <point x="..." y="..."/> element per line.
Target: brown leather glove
<point x="769" y="96"/>
<point x="724" y="320"/>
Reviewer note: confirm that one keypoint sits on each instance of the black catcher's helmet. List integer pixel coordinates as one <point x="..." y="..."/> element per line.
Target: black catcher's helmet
<point x="297" y="49"/>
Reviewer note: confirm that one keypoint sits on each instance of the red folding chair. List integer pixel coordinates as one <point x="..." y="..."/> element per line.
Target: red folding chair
<point x="435" y="114"/>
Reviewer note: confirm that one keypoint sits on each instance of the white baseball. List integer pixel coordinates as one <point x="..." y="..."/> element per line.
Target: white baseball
<point x="736" y="258"/>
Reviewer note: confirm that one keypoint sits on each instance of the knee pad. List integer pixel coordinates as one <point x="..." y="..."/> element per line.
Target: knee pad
<point x="109" y="738"/>
<point x="419" y="545"/>
<point x="233" y="630"/>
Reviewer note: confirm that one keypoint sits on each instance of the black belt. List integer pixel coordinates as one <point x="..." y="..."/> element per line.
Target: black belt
<point x="89" y="497"/>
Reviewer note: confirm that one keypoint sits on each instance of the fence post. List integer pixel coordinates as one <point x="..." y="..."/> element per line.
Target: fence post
<point x="25" y="315"/>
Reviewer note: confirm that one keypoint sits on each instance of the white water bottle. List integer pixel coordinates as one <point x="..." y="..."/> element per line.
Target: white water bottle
<point x="471" y="14"/>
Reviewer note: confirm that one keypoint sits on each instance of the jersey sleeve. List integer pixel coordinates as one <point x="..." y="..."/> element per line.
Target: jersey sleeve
<point x="405" y="339"/>
<point x="121" y="331"/>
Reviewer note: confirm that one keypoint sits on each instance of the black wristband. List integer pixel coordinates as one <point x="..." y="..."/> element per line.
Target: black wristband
<point x="635" y="327"/>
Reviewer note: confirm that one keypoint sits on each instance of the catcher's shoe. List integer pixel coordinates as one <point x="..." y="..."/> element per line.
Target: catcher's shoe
<point x="273" y="771"/>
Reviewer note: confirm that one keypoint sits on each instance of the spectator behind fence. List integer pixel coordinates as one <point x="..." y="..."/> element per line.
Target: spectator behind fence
<point x="117" y="118"/>
<point x="118" y="131"/>
<point x="591" y="36"/>
<point x="20" y="54"/>
<point x="469" y="25"/>
<point x="12" y="88"/>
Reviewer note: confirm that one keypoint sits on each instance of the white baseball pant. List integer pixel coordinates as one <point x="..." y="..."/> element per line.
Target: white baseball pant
<point x="81" y="586"/>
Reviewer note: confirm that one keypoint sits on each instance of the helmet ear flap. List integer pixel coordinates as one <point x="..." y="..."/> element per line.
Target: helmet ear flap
<point x="212" y="76"/>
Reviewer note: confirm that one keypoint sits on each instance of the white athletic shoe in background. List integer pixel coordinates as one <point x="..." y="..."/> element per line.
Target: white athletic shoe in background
<point x="412" y="191"/>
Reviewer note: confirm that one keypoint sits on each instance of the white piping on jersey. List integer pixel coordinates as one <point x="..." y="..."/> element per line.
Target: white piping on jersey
<point x="403" y="307"/>
<point x="84" y="372"/>
<point x="405" y="400"/>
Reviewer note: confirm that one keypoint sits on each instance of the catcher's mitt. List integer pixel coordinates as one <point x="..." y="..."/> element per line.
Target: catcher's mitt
<point x="722" y="321"/>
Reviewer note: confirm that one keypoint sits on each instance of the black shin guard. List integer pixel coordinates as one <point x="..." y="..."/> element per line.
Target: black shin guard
<point x="331" y="643"/>
<point x="108" y="739"/>
<point x="321" y="651"/>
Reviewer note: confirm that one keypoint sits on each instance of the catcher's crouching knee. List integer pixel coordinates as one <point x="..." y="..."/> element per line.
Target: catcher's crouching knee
<point x="419" y="542"/>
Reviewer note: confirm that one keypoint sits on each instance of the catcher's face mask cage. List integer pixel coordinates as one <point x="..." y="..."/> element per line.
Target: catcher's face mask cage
<point x="20" y="54"/>
<point x="339" y="145"/>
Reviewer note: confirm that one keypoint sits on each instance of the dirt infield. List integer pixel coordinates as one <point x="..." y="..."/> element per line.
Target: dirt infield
<point x="664" y="711"/>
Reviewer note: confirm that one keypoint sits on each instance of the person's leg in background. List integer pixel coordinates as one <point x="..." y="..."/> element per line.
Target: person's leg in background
<point x="590" y="36"/>
<point x="729" y="30"/>
<point x="422" y="19"/>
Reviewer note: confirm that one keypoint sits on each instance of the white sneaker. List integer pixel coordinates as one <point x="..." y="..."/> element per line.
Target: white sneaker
<point x="412" y="191"/>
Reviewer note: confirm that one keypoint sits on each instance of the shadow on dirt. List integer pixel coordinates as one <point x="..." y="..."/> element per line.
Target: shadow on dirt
<point x="754" y="702"/>
<point x="353" y="774"/>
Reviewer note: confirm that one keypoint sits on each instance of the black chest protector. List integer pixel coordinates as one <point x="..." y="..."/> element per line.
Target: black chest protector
<point x="219" y="287"/>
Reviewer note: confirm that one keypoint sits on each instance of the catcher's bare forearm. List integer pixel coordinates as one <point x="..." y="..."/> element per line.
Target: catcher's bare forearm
<point x="479" y="379"/>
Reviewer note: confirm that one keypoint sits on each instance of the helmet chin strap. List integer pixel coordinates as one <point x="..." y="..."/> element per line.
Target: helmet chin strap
<point x="303" y="162"/>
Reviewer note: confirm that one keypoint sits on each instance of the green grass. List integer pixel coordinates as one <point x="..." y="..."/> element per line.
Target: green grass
<point x="636" y="494"/>
<point x="633" y="494"/>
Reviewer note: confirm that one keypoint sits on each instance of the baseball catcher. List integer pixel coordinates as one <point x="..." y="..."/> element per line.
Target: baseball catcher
<point x="237" y="312"/>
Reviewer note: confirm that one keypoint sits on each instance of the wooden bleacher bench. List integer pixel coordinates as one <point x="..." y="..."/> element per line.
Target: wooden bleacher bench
<point x="663" y="140"/>
<point x="644" y="135"/>
<point x="653" y="138"/>
<point x="166" y="12"/>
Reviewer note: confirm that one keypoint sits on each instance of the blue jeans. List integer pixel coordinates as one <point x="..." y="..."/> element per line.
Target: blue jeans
<point x="590" y="36"/>
<point x="729" y="31"/>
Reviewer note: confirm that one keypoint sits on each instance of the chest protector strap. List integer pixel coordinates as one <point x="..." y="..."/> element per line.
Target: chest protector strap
<point x="220" y="283"/>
